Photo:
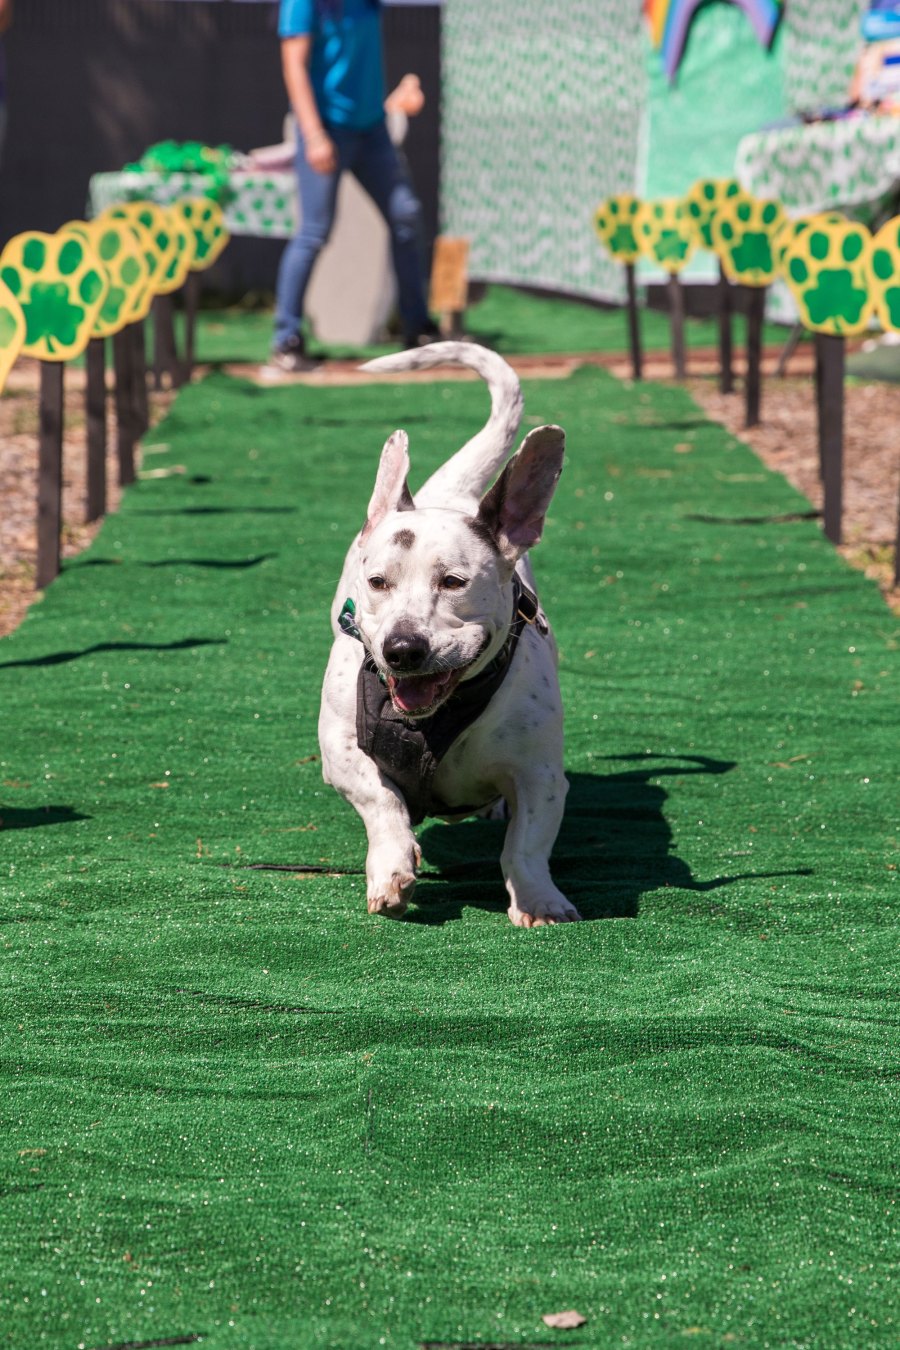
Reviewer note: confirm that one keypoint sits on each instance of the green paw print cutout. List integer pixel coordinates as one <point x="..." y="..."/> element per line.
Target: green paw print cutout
<point x="666" y="233"/>
<point x="186" y="247"/>
<point x="127" y="275"/>
<point x="826" y="268"/>
<point x="155" y="220"/>
<point x="615" y="221"/>
<point x="743" y="233"/>
<point x="884" y="274"/>
<point x="60" y="287"/>
<point x="793" y="227"/>
<point x="207" y="220"/>
<point x="12" y="331"/>
<point x="704" y="200"/>
<point x="126" y="214"/>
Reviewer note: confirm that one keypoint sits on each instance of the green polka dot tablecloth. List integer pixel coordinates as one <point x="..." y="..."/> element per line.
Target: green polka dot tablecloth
<point x="853" y="163"/>
<point x="263" y="204"/>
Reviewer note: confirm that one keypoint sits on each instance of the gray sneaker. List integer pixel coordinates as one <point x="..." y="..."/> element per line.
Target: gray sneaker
<point x="291" y="357"/>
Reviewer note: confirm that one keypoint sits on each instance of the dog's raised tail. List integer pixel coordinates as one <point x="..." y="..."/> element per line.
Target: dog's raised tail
<point x="463" y="479"/>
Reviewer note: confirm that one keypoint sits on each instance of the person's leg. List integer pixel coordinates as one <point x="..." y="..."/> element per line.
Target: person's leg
<point x="318" y="194"/>
<point x="381" y="171"/>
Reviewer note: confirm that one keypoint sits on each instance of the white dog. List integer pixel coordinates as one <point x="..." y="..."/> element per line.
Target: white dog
<point x="441" y="696"/>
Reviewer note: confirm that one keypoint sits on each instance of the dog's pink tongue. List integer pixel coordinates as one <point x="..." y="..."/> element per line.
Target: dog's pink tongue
<point x="417" y="692"/>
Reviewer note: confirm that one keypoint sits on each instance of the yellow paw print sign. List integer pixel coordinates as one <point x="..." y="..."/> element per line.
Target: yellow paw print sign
<point x="60" y="287"/>
<point x="743" y="232"/>
<point x="12" y="331"/>
<point x="791" y="229"/>
<point x="827" y="270"/>
<point x="128" y="277"/>
<point x="159" y="225"/>
<point x="616" y="223"/>
<point x="154" y="261"/>
<point x="704" y="199"/>
<point x="884" y="274"/>
<point x="206" y="218"/>
<point x="666" y="233"/>
<point x="186" y="247"/>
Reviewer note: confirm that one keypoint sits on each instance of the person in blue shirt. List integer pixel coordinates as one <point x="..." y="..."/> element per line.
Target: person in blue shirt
<point x="331" y="57"/>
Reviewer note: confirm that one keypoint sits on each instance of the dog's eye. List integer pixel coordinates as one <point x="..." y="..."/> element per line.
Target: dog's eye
<point x="377" y="583"/>
<point x="452" y="583"/>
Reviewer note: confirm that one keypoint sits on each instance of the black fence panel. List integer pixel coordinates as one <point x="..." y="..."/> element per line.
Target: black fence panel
<point x="92" y="83"/>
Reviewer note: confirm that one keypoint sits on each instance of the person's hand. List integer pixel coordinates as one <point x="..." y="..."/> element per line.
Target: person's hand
<point x="407" y="97"/>
<point x="320" y="152"/>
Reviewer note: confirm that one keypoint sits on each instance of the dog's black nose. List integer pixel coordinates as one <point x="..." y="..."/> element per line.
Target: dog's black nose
<point x="405" y="651"/>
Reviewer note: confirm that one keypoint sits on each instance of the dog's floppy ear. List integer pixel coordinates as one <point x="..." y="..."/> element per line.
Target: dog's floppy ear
<point x="390" y="492"/>
<point x="513" y="510"/>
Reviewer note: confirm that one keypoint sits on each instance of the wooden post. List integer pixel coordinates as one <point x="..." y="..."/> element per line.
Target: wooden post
<point x="191" y="300"/>
<point x="788" y="349"/>
<point x="49" y="495"/>
<point x="818" y="383"/>
<point x="95" y="411"/>
<point x="139" y="375"/>
<point x="676" y="319"/>
<point x="756" y="308"/>
<point x="126" y="419"/>
<point x="726" y="368"/>
<point x="165" y="353"/>
<point x="634" y="324"/>
<point x="831" y="432"/>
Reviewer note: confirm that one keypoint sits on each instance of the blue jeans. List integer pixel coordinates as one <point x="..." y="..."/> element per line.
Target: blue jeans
<point x="371" y="157"/>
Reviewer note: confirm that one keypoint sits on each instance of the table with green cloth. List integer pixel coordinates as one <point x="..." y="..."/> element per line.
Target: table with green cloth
<point x="259" y="203"/>
<point x="852" y="164"/>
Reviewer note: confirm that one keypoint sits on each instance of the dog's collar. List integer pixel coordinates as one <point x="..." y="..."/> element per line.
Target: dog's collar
<point x="347" y="620"/>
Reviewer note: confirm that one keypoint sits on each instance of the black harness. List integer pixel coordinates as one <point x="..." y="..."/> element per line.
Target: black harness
<point x="409" y="752"/>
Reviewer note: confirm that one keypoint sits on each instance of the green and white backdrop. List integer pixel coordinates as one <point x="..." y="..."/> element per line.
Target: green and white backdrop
<point x="547" y="109"/>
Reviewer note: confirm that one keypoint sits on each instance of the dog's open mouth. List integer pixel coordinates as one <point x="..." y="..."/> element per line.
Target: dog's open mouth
<point x="418" y="695"/>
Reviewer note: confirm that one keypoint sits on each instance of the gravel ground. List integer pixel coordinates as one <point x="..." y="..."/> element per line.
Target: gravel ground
<point x="786" y="441"/>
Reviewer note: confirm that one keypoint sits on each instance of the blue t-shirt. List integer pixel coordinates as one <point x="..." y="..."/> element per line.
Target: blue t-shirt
<point x="346" y="61"/>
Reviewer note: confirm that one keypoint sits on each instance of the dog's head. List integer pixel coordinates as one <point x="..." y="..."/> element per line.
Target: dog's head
<point x="433" y="596"/>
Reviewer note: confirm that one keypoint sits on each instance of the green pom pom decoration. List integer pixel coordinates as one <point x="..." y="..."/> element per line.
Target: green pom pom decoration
<point x="214" y="163"/>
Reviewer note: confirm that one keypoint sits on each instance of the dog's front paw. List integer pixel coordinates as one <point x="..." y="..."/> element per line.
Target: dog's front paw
<point x="542" y="911"/>
<point x="392" y="898"/>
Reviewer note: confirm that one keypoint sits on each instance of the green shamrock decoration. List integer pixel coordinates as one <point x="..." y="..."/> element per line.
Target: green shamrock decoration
<point x="60" y="287"/>
<point x="743" y="232"/>
<point x="666" y="233"/>
<point x="703" y="200"/>
<point x="207" y="220"/>
<point x="185" y="249"/>
<point x="827" y="268"/>
<point x="118" y="253"/>
<point x="615" y="221"/>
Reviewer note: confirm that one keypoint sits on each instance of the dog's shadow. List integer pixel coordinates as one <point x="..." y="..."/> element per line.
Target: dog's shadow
<point x="615" y="844"/>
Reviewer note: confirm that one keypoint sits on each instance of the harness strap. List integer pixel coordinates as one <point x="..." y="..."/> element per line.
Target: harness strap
<point x="409" y="752"/>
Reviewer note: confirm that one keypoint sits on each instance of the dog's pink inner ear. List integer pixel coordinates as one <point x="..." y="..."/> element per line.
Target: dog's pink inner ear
<point x="514" y="509"/>
<point x="391" y="491"/>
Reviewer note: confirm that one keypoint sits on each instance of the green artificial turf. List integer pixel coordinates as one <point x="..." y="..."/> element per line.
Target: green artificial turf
<point x="510" y="321"/>
<point x="238" y="1111"/>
